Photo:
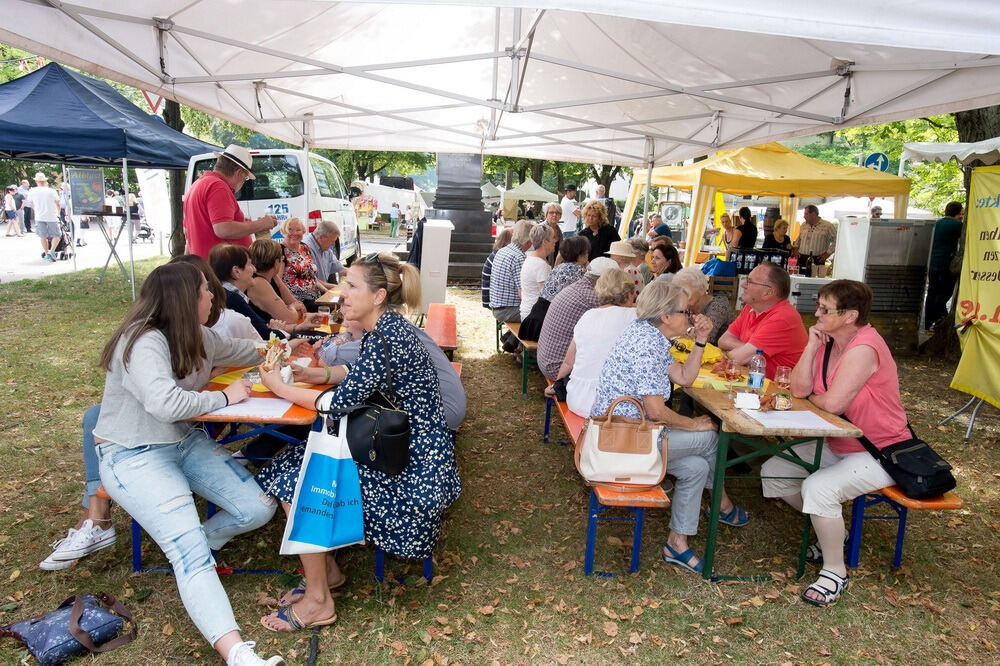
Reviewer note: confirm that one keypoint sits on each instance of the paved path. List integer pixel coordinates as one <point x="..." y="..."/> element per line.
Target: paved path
<point x="21" y="258"/>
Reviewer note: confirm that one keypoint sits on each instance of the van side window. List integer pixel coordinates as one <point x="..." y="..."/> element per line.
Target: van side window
<point x="275" y="177"/>
<point x="328" y="180"/>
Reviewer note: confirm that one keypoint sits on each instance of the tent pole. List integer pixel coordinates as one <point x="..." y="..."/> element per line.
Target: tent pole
<point x="69" y="218"/>
<point x="128" y="221"/>
<point x="650" y="147"/>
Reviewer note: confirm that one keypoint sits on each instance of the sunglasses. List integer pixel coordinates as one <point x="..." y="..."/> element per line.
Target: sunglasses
<point x="825" y="311"/>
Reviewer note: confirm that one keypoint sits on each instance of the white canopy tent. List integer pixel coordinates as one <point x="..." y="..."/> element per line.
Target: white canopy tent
<point x="629" y="82"/>
<point x="861" y="207"/>
<point x="529" y="190"/>
<point x="988" y="152"/>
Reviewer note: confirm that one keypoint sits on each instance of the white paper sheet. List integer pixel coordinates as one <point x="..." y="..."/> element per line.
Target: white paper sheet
<point x="793" y="418"/>
<point x="256" y="407"/>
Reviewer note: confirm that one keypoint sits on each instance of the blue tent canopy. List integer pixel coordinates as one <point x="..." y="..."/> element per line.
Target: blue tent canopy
<point x="58" y="115"/>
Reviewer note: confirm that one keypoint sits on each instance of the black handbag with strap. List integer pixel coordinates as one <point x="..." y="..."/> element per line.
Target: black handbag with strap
<point x="916" y="468"/>
<point x="378" y="431"/>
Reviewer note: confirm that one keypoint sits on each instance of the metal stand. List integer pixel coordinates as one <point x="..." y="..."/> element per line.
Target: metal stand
<point x="975" y="403"/>
<point x="112" y="242"/>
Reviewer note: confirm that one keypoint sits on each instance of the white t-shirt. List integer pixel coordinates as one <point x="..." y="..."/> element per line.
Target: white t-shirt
<point x="568" y="221"/>
<point x="233" y="324"/>
<point x="595" y="334"/>
<point x="44" y="204"/>
<point x="534" y="272"/>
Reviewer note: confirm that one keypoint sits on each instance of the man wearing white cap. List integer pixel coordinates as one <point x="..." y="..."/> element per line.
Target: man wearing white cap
<point x="45" y="210"/>
<point x="211" y="212"/>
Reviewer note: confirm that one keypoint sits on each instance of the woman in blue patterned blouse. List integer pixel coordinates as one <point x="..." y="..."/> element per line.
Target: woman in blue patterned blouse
<point x="402" y="514"/>
<point x="640" y="365"/>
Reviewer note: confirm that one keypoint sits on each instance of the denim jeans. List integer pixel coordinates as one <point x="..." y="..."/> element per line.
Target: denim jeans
<point x="690" y="460"/>
<point x="154" y="484"/>
<point x="91" y="468"/>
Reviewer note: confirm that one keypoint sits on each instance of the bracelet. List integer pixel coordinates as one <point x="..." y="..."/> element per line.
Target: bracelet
<point x="700" y="344"/>
<point x="226" y="397"/>
<point x="327" y="380"/>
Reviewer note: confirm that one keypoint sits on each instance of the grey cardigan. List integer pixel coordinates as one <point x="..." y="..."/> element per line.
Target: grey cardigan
<point x="148" y="404"/>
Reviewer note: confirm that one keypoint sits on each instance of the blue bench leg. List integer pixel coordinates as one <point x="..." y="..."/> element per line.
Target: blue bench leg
<point x="858" y="507"/>
<point x="897" y="558"/>
<point x="136" y="546"/>
<point x="548" y="418"/>
<point x="637" y="537"/>
<point x="380" y="567"/>
<point x="588" y="559"/>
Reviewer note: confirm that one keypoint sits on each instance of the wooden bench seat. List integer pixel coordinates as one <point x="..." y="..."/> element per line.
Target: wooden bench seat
<point x="529" y="349"/>
<point x="601" y="498"/>
<point x="900" y="504"/>
<point x="458" y="368"/>
<point x="442" y="327"/>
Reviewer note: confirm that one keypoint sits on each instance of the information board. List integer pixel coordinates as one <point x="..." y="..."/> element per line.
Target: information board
<point x="86" y="188"/>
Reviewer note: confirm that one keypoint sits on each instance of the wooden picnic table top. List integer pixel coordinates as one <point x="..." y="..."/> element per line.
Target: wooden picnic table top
<point x="331" y="297"/>
<point x="440" y="325"/>
<point x="719" y="404"/>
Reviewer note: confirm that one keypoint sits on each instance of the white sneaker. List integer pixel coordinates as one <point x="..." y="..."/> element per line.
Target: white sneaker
<point x="78" y="543"/>
<point x="242" y="654"/>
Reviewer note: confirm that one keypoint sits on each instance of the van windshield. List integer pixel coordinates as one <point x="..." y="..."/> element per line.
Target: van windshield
<point x="276" y="177"/>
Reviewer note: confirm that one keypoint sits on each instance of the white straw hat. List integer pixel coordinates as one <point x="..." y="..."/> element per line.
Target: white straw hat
<point x="239" y="156"/>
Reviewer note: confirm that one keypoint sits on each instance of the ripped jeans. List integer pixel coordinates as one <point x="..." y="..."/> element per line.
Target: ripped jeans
<point x="155" y="484"/>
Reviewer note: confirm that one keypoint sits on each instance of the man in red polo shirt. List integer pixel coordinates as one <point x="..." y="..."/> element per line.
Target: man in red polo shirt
<point x="768" y="321"/>
<point x="211" y="213"/>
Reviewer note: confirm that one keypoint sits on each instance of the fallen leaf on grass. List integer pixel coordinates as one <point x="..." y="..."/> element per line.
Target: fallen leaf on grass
<point x="824" y="652"/>
<point x="733" y="620"/>
<point x="486" y="610"/>
<point x="773" y="594"/>
<point x="168" y="629"/>
<point x="756" y="602"/>
<point x="143" y="594"/>
<point x="9" y="607"/>
<point x="634" y="638"/>
<point x="586" y="638"/>
<point x="611" y="629"/>
<point x="932" y="606"/>
<point x="561" y="658"/>
<point x="610" y="614"/>
<point x="14" y="575"/>
<point x="264" y="599"/>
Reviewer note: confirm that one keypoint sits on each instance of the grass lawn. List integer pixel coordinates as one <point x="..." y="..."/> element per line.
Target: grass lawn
<point x="509" y="585"/>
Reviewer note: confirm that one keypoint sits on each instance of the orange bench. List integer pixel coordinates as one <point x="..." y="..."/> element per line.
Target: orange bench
<point x="602" y="499"/>
<point x="441" y="326"/>
<point x="894" y="498"/>
<point x="458" y="368"/>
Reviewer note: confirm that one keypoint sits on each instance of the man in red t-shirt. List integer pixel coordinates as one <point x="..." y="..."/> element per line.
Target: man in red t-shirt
<point x="768" y="321"/>
<point x="211" y="212"/>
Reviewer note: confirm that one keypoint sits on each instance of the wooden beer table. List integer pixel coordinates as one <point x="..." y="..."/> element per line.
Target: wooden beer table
<point x="737" y="426"/>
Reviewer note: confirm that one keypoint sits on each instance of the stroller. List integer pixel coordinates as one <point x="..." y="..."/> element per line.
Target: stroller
<point x="143" y="232"/>
<point x="64" y="248"/>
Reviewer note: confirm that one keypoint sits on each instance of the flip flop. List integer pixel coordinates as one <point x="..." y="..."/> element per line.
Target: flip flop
<point x="682" y="560"/>
<point x="288" y="616"/>
<point x="300" y="589"/>
<point x="737" y="517"/>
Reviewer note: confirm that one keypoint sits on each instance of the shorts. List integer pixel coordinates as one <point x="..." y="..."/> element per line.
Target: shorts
<point x="10" y="214"/>
<point x="46" y="229"/>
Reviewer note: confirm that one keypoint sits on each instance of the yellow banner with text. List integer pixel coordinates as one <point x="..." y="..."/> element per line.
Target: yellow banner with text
<point x="978" y="310"/>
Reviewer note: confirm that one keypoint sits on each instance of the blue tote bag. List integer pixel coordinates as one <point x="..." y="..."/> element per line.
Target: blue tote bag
<point x="326" y="509"/>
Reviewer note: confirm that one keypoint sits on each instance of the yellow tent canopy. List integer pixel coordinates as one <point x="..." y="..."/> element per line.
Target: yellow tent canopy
<point x="770" y="169"/>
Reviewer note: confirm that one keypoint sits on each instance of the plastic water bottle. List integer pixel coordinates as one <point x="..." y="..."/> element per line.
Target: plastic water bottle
<point x="755" y="380"/>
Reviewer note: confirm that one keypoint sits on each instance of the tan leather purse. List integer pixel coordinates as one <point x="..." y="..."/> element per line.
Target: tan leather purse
<point x="622" y="453"/>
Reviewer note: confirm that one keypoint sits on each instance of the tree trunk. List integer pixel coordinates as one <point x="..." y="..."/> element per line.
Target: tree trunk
<point x="172" y="117"/>
<point x="974" y="125"/>
<point x="536" y="170"/>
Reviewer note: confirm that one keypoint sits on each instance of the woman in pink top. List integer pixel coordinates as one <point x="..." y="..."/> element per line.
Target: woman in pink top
<point x="862" y="384"/>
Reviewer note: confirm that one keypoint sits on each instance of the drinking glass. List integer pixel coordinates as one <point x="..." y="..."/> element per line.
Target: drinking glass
<point x="783" y="378"/>
<point x="733" y="374"/>
<point x="324" y="311"/>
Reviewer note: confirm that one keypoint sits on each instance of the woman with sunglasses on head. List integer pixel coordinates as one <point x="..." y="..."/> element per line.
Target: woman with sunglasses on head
<point x="152" y="458"/>
<point x="640" y="365"/>
<point x="402" y="514"/>
<point x="846" y="368"/>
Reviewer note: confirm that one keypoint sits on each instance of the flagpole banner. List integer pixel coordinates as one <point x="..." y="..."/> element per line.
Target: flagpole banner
<point x="978" y="311"/>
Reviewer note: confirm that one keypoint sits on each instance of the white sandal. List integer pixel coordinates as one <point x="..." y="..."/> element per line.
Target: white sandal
<point x="840" y="584"/>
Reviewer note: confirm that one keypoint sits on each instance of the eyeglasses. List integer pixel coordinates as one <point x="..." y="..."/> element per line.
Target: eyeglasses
<point x="825" y="310"/>
<point x="759" y="284"/>
<point x="373" y="258"/>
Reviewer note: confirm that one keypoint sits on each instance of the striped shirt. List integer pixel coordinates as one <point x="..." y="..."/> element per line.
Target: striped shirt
<point x="505" y="277"/>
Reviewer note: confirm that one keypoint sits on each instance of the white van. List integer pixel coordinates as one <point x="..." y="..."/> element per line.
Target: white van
<point x="277" y="189"/>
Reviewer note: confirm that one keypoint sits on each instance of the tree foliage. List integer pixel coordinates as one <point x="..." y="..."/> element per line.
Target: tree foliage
<point x="933" y="185"/>
<point x="365" y="164"/>
<point x="553" y="175"/>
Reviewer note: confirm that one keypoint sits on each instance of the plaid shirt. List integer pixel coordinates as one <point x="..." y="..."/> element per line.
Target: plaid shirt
<point x="557" y="329"/>
<point x="505" y="277"/>
<point x="485" y="278"/>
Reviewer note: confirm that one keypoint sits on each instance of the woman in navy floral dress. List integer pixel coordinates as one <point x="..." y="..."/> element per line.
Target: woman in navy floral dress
<point x="402" y="513"/>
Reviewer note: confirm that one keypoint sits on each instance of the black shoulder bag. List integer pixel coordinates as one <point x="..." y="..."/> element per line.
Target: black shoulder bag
<point x="915" y="467"/>
<point x="378" y="431"/>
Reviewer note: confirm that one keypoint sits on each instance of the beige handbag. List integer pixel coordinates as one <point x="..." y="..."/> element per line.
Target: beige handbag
<point x="621" y="453"/>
